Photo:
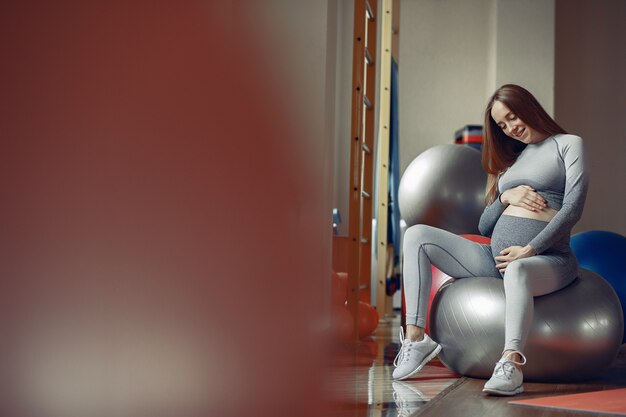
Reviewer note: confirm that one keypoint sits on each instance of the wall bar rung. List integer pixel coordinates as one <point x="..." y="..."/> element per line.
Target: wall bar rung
<point x="368" y="57"/>
<point x="367" y="102"/>
<point x="370" y="12"/>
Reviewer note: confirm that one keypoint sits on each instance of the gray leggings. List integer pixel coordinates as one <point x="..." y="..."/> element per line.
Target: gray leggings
<point x="458" y="257"/>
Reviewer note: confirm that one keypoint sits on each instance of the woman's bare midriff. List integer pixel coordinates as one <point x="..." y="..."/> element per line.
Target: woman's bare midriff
<point x="546" y="214"/>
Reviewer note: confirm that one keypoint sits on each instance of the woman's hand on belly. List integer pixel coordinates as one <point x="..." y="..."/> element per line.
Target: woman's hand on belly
<point x="523" y="201"/>
<point x="524" y="196"/>
<point x="513" y="253"/>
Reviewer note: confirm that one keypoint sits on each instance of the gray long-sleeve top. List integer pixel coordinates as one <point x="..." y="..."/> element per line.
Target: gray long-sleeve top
<point x="557" y="169"/>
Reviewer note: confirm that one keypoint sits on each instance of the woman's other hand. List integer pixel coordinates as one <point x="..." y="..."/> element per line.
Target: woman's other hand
<point x="513" y="253"/>
<point x="524" y="196"/>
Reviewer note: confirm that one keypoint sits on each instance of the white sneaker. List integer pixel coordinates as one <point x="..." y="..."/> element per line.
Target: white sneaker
<point x="413" y="356"/>
<point x="507" y="378"/>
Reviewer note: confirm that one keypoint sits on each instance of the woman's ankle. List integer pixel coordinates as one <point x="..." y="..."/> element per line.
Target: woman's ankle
<point x="414" y="333"/>
<point x="514" y="356"/>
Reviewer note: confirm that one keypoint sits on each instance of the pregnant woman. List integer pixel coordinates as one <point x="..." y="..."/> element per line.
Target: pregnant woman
<point x="536" y="189"/>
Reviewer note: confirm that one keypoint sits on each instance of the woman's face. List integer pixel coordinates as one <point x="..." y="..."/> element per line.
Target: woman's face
<point x="513" y="126"/>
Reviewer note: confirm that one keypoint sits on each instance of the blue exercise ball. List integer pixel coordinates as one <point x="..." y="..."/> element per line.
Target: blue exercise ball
<point x="603" y="253"/>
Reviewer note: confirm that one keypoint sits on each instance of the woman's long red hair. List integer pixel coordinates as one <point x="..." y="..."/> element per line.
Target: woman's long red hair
<point x="501" y="151"/>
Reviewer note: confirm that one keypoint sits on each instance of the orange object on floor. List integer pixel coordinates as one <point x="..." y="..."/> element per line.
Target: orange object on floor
<point x="609" y="402"/>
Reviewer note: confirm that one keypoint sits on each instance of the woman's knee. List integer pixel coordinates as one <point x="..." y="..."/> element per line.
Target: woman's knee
<point x="517" y="267"/>
<point x="517" y="273"/>
<point x="417" y="235"/>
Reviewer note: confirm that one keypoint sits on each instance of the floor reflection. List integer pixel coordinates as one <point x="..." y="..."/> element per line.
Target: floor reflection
<point x="360" y="382"/>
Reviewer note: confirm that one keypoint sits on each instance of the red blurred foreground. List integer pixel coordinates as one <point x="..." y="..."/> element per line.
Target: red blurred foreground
<point x="164" y="246"/>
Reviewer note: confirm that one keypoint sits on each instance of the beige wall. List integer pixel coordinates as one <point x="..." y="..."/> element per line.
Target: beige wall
<point x="524" y="43"/>
<point x="443" y="71"/>
<point x="590" y="100"/>
<point x="454" y="53"/>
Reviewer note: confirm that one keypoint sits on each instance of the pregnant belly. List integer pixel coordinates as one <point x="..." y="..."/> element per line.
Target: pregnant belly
<point x="514" y="231"/>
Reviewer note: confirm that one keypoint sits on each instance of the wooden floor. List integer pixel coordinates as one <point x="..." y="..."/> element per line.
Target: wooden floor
<point x="360" y="384"/>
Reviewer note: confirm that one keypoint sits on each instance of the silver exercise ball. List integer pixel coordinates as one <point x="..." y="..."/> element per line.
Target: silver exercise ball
<point x="575" y="334"/>
<point x="444" y="187"/>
